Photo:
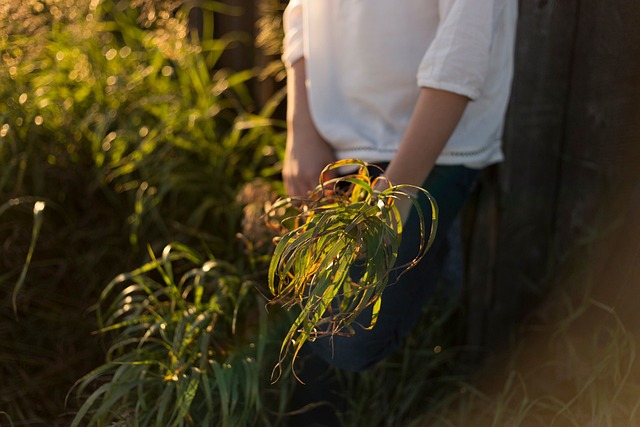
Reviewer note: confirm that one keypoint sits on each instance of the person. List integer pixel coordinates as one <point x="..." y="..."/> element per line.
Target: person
<point x="419" y="87"/>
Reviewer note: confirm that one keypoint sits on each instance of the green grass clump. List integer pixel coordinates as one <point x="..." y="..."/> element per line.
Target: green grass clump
<point x="189" y="347"/>
<point x="347" y="222"/>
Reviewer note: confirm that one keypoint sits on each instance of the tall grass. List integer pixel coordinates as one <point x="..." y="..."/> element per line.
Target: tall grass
<point x="141" y="107"/>
<point x="133" y="135"/>
<point x="575" y="360"/>
<point x="189" y="347"/>
<point x="560" y="375"/>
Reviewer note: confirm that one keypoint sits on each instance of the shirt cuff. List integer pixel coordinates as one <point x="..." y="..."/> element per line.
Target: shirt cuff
<point x="293" y="46"/>
<point x="471" y="92"/>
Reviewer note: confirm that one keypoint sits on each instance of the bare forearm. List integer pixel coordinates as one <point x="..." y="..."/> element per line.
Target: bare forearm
<point x="307" y="153"/>
<point x="434" y="119"/>
<point x="297" y="103"/>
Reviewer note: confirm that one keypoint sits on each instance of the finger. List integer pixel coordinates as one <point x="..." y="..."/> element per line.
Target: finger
<point x="299" y="186"/>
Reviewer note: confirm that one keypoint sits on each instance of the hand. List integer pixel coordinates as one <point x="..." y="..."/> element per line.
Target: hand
<point x="402" y="203"/>
<point x="306" y="155"/>
<point x="404" y="206"/>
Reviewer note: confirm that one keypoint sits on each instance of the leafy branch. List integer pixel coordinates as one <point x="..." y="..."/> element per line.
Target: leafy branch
<point x="338" y="249"/>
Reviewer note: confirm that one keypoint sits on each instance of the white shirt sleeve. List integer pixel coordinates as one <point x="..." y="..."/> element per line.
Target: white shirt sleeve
<point x="458" y="58"/>
<point x="293" y="45"/>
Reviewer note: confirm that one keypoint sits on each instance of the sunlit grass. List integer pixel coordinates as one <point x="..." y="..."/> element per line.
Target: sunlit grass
<point x="189" y="347"/>
<point x="132" y="134"/>
<point x="574" y="364"/>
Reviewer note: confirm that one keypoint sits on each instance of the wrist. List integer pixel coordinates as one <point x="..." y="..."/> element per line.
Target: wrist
<point x="299" y="118"/>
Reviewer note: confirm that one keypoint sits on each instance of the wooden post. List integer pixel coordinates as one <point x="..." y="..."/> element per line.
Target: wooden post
<point x="572" y="141"/>
<point x="241" y="55"/>
<point x="600" y="160"/>
<point x="526" y="187"/>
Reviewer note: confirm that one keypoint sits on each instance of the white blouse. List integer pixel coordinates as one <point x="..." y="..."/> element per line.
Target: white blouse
<point x="367" y="59"/>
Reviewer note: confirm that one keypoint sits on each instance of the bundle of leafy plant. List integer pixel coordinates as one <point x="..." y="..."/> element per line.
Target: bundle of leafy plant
<point x="338" y="250"/>
<point x="190" y="337"/>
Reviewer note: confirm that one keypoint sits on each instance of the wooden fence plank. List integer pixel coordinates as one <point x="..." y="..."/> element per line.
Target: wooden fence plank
<point x="533" y="137"/>
<point x="601" y="157"/>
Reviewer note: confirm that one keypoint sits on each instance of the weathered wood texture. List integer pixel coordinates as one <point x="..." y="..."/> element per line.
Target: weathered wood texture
<point x="572" y="142"/>
<point x="524" y="188"/>
<point x="241" y="55"/>
<point x="600" y="157"/>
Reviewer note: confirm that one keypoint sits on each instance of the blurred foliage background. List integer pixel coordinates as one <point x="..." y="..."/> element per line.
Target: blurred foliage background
<point x="118" y="118"/>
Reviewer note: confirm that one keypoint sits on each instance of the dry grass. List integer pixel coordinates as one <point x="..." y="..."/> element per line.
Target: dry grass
<point x="575" y="362"/>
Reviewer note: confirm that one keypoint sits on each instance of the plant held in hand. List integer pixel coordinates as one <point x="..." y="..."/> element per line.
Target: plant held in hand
<point x="338" y="248"/>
